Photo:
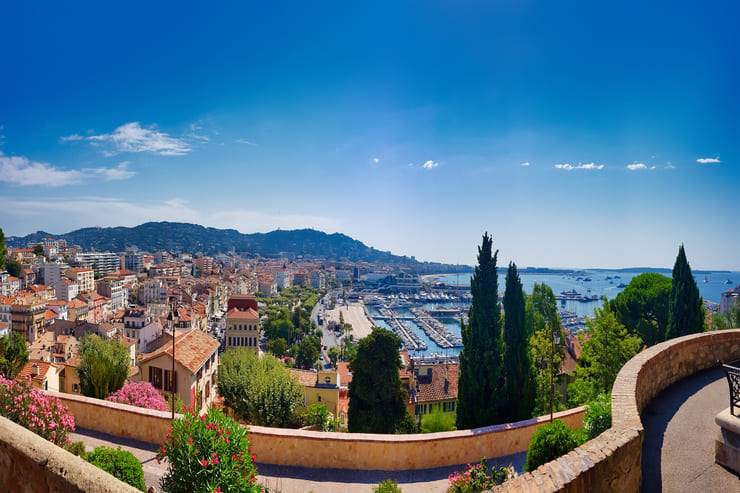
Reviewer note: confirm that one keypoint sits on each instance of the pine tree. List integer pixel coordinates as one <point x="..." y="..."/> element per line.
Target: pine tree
<point x="517" y="398"/>
<point x="3" y="250"/>
<point x="480" y="359"/>
<point x="685" y="307"/>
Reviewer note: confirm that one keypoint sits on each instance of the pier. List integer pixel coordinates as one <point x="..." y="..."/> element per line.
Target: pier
<point x="435" y="329"/>
<point x="410" y="339"/>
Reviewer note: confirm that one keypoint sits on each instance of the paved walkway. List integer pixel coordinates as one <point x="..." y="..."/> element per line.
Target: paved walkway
<point x="678" y="450"/>
<point x="298" y="479"/>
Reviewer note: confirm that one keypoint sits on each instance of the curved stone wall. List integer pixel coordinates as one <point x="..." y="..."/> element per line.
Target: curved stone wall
<point x="612" y="461"/>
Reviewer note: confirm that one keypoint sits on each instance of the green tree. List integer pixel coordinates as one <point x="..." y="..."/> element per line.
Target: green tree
<point x="608" y="347"/>
<point x="334" y="355"/>
<point x="480" y="359"/>
<point x="3" y="250"/>
<point x="13" y="355"/>
<point x="685" y="308"/>
<point x="13" y="267"/>
<point x="728" y="320"/>
<point x="549" y="442"/>
<point x="377" y="401"/>
<point x="278" y="347"/>
<point x="437" y="420"/>
<point x="103" y="367"/>
<point x="643" y="306"/>
<point x="38" y="250"/>
<point x="308" y="352"/>
<point x="260" y="390"/>
<point x="517" y="397"/>
<point x="544" y="324"/>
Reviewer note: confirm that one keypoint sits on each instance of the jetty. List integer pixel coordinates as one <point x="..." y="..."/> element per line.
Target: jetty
<point x="435" y="330"/>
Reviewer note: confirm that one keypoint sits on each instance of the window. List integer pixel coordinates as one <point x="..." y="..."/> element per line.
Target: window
<point x="168" y="387"/>
<point x="155" y="377"/>
<point x="319" y="399"/>
<point x="75" y="388"/>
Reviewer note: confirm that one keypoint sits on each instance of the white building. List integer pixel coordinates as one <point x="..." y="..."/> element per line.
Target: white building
<point x="67" y="290"/>
<point x="102" y="263"/>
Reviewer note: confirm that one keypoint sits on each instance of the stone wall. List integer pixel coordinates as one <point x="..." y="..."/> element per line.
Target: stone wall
<point x="612" y="461"/>
<point x="30" y="464"/>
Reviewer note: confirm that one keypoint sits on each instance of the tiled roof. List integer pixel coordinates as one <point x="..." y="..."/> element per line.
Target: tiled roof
<point x="345" y="376"/>
<point x="50" y="315"/>
<point x="56" y="302"/>
<point x="192" y="349"/>
<point x="75" y="303"/>
<point x="441" y="385"/>
<point x="248" y="314"/>
<point x="306" y="378"/>
<point x="43" y="368"/>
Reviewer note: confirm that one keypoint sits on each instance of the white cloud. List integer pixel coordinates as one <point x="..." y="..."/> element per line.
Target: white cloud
<point x="670" y="166"/>
<point x="120" y="172"/>
<point x="569" y="167"/>
<point x="525" y="164"/>
<point x="429" y="164"/>
<point x="132" y="137"/>
<point x="377" y="160"/>
<point x="708" y="160"/>
<point x="243" y="141"/>
<point x="195" y="129"/>
<point x="19" y="170"/>
<point x="71" y="138"/>
<point x="636" y="166"/>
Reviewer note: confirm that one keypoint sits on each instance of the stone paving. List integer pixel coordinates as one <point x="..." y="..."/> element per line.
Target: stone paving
<point x="286" y="479"/>
<point x="678" y="448"/>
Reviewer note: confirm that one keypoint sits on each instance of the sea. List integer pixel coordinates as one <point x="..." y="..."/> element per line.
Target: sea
<point x="587" y="282"/>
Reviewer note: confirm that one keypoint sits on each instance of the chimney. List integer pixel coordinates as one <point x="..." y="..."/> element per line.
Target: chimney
<point x="34" y="370"/>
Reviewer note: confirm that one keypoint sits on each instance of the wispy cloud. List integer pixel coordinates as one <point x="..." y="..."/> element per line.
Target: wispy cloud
<point x="636" y="166"/>
<point x="569" y="167"/>
<point x="376" y="160"/>
<point x="244" y="141"/>
<point x="708" y="160"/>
<point x="669" y="166"/>
<point x="19" y="170"/>
<point x="430" y="164"/>
<point x="132" y="137"/>
<point x="196" y="132"/>
<point x="525" y="164"/>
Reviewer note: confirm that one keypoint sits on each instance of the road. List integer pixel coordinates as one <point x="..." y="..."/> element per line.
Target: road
<point x="328" y="337"/>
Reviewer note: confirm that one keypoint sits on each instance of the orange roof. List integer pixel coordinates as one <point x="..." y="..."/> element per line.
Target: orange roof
<point x="248" y="314"/>
<point x="50" y="315"/>
<point x="43" y="368"/>
<point x="440" y="385"/>
<point x="193" y="348"/>
<point x="76" y="270"/>
<point x="75" y="303"/>
<point x="306" y="378"/>
<point x="56" y="302"/>
<point x="345" y="376"/>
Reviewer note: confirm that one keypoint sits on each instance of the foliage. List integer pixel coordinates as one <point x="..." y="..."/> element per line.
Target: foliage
<point x="377" y="401"/>
<point x="728" y="320"/>
<point x="544" y="324"/>
<point x="643" y="306"/>
<point x="103" y="366"/>
<point x="685" y="307"/>
<point x="581" y="391"/>
<point x="549" y="442"/>
<point x="3" y="250"/>
<point x="408" y="425"/>
<point x="317" y="415"/>
<point x="477" y="478"/>
<point x="13" y="267"/>
<point x="259" y="390"/>
<point x="387" y="486"/>
<point x="38" y="250"/>
<point x="76" y="448"/>
<point x="278" y="347"/>
<point x="606" y="350"/>
<point x="480" y="359"/>
<point x="139" y="394"/>
<point x="598" y="417"/>
<point x="334" y="355"/>
<point x="517" y="396"/>
<point x="13" y="354"/>
<point x="119" y="463"/>
<point x="29" y="407"/>
<point x="308" y="352"/>
<point x="208" y="453"/>
<point x="437" y="420"/>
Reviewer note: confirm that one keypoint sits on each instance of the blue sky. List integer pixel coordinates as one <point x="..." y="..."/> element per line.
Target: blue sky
<point x="578" y="134"/>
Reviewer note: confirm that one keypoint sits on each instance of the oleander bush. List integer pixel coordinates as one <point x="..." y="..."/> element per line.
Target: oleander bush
<point x="208" y="453"/>
<point x="139" y="394"/>
<point x="29" y="407"/>
<point x="549" y="442"/>
<point x="119" y="463"/>
<point x="477" y="478"/>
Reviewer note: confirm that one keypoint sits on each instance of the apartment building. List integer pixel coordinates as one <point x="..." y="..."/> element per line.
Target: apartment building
<point x="83" y="276"/>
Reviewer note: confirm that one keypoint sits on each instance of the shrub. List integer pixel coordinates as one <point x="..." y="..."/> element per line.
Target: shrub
<point x="29" y="407"/>
<point x="438" y="420"/>
<point x="549" y="442"/>
<point x="477" y="478"/>
<point x="317" y="415"/>
<point x="208" y="453"/>
<point x="76" y="448"/>
<point x="119" y="463"/>
<point x="387" y="486"/>
<point x="598" y="416"/>
<point x="139" y="394"/>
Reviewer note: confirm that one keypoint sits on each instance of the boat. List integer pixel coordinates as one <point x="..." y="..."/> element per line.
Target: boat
<point x="728" y="281"/>
<point x="705" y="279"/>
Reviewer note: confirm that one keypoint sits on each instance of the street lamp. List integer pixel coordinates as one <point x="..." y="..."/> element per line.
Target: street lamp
<point x="172" y="321"/>
<point x="555" y="340"/>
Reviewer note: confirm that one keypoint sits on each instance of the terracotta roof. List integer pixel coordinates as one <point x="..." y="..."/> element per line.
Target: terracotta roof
<point x="345" y="376"/>
<point x="50" y="315"/>
<point x="75" y="303"/>
<point x="56" y="302"/>
<point x="306" y="378"/>
<point x="76" y="270"/>
<point x="43" y="368"/>
<point x="436" y="387"/>
<point x="248" y="314"/>
<point x="192" y="349"/>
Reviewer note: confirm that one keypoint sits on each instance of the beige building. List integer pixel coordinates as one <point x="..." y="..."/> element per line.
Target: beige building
<point x="28" y="315"/>
<point x="242" y="329"/>
<point x="84" y="277"/>
<point x="196" y="361"/>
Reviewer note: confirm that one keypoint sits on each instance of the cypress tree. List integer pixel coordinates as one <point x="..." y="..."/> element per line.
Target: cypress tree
<point x="685" y="307"/>
<point x="517" y="398"/>
<point x="3" y="250"/>
<point x="480" y="358"/>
